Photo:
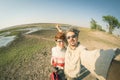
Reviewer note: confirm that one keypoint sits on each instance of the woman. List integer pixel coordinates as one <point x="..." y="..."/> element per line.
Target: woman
<point x="58" y="54"/>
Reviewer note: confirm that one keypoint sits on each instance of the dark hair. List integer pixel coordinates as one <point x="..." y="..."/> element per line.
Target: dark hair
<point x="76" y="31"/>
<point x="60" y="35"/>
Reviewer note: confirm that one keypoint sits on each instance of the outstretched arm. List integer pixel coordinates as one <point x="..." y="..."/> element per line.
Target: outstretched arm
<point x="58" y="28"/>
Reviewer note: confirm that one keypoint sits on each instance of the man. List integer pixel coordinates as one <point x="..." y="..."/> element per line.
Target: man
<point x="72" y="56"/>
<point x="104" y="64"/>
<point x="96" y="61"/>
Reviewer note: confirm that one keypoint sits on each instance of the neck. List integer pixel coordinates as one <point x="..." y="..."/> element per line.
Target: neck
<point x="73" y="47"/>
<point x="60" y="47"/>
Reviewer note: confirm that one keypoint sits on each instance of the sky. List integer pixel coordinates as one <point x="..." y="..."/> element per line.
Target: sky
<point x="73" y="12"/>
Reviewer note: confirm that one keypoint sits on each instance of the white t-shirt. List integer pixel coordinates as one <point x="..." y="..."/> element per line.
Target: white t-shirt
<point x="58" y="56"/>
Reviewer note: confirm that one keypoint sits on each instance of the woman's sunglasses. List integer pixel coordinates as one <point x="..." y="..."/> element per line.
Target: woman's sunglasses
<point x="59" y="41"/>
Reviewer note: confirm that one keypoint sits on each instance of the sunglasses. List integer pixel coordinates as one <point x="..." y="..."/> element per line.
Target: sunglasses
<point x="59" y="41"/>
<point x="73" y="36"/>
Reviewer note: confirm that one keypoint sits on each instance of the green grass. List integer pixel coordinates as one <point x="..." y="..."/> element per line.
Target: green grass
<point x="20" y="52"/>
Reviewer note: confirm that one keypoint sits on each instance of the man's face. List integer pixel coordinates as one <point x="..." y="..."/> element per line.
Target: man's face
<point x="72" y="39"/>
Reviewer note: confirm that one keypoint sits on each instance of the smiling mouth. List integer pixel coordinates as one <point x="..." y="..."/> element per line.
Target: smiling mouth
<point x="72" y="42"/>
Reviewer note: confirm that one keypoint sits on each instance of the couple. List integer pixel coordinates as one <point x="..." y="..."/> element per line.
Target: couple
<point x="69" y="60"/>
<point x="62" y="58"/>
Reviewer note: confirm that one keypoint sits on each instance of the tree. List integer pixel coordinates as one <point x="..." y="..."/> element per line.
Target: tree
<point x="99" y="27"/>
<point x="94" y="25"/>
<point x="118" y="25"/>
<point x="112" y="22"/>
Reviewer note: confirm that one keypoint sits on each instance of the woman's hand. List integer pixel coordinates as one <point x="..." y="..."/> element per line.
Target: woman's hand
<point x="58" y="28"/>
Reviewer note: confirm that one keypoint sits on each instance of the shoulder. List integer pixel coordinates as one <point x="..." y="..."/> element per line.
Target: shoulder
<point x="81" y="46"/>
<point x="54" y="48"/>
<point x="54" y="51"/>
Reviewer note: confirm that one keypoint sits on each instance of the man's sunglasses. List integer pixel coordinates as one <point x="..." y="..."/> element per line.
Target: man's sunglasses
<point x="73" y="36"/>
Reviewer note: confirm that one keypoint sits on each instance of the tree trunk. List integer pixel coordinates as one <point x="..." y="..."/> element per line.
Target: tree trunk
<point x="110" y="29"/>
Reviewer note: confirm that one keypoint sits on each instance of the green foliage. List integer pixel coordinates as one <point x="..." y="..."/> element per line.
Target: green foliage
<point x="93" y="24"/>
<point x="96" y="26"/>
<point x="112" y="22"/>
<point x="118" y="25"/>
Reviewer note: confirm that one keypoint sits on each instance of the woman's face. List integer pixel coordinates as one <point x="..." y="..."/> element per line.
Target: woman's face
<point x="60" y="43"/>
